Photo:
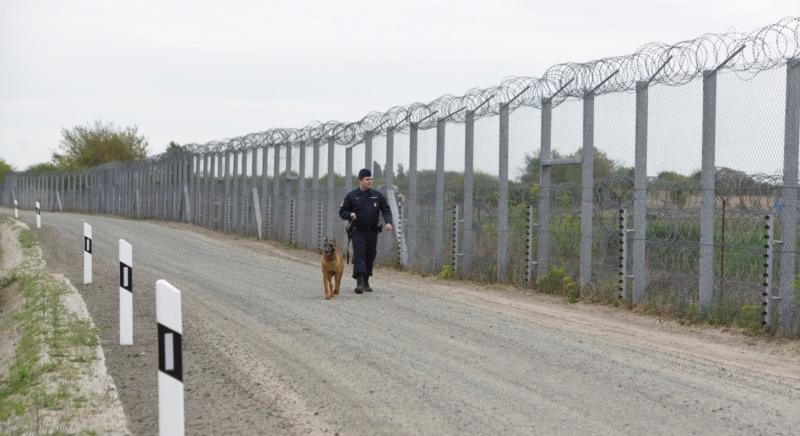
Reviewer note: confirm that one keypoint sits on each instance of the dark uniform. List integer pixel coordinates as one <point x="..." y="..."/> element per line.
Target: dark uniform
<point x="368" y="206"/>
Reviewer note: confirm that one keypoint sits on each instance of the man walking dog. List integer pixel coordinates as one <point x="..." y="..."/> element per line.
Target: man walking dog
<point x="363" y="207"/>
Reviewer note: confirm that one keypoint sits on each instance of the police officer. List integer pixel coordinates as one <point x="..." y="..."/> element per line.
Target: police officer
<point x="363" y="207"/>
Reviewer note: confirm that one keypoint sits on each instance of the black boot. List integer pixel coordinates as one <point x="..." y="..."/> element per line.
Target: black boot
<point x="359" y="284"/>
<point x="367" y="287"/>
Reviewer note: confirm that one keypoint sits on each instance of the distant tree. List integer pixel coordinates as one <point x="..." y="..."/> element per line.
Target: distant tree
<point x="174" y="147"/>
<point x="603" y="167"/>
<point x="98" y="143"/>
<point x="377" y="173"/>
<point x="681" y="187"/>
<point x="5" y="168"/>
<point x="41" y="168"/>
<point x="672" y="176"/>
<point x="530" y="172"/>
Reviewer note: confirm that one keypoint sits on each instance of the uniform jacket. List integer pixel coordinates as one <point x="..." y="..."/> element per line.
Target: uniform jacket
<point x="368" y="206"/>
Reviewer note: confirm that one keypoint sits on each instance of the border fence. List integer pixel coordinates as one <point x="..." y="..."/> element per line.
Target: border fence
<point x="720" y="242"/>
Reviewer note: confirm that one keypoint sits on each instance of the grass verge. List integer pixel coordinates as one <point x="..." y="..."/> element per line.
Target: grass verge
<point x="41" y="393"/>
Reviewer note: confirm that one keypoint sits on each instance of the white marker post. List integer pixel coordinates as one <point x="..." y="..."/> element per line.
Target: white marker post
<point x="87" y="254"/>
<point x="16" y="211"/>
<point x="125" y="293"/>
<point x="38" y="215"/>
<point x="170" y="360"/>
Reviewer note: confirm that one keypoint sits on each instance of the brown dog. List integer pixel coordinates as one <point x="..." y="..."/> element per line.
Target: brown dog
<point x="332" y="267"/>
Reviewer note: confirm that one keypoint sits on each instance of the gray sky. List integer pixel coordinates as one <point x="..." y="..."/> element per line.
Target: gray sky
<point x="194" y="71"/>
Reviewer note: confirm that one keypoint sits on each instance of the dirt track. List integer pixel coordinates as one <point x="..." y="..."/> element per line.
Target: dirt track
<point x="264" y="353"/>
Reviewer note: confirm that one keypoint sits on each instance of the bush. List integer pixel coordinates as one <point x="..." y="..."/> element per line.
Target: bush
<point x="573" y="293"/>
<point x="447" y="272"/>
<point x="557" y="281"/>
<point x="750" y="318"/>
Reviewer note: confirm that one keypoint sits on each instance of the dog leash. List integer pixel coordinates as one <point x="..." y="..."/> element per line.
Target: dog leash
<point x="349" y="230"/>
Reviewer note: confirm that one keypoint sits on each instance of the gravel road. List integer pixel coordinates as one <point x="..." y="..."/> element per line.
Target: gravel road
<point x="264" y="353"/>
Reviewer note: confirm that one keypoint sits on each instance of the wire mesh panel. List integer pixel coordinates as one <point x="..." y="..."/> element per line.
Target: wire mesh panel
<point x="422" y="231"/>
<point x="524" y="137"/>
<point x="750" y="129"/>
<point x="483" y="265"/>
<point x="614" y="130"/>
<point x="565" y="194"/>
<point x="673" y="198"/>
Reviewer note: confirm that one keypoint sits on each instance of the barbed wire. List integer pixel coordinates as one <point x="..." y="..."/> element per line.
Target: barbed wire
<point x="658" y="63"/>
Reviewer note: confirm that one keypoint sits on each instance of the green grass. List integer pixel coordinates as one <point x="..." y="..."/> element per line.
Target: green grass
<point x="35" y="387"/>
<point x="24" y="371"/>
<point x="27" y="239"/>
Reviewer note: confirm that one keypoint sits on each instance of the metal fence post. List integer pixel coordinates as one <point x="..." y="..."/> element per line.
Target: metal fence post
<point x="411" y="226"/>
<point x="195" y="162"/>
<point x="245" y="224"/>
<point x="264" y="189"/>
<point x="235" y="205"/>
<point x="288" y="196"/>
<point x="544" y="188"/>
<point x="333" y="215"/>
<point x="187" y="184"/>
<point x="155" y="193"/>
<point x="502" y="201"/>
<point x="203" y="199"/>
<point x="80" y="191"/>
<point x="302" y="237"/>
<point x="317" y="217"/>
<point x="165" y="189"/>
<point x="275" y="203"/>
<point x="640" y="195"/>
<point x="707" y="186"/>
<point x="388" y="169"/>
<point x="438" y="214"/>
<point x="204" y="196"/>
<point x="226" y="207"/>
<point x="183" y="187"/>
<point x="587" y="189"/>
<point x="252" y="226"/>
<point x="368" y="152"/>
<point x="244" y="198"/>
<point x="175" y="179"/>
<point x="469" y="184"/>
<point x="218" y="201"/>
<point x="348" y="169"/>
<point x="791" y="198"/>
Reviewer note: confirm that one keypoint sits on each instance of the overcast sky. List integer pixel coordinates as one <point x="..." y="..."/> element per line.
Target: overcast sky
<point x="194" y="71"/>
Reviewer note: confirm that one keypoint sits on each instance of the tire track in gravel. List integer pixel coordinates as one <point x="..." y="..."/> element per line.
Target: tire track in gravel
<point x="265" y="354"/>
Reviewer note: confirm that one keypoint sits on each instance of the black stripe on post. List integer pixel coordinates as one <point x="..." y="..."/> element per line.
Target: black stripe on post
<point x="87" y="245"/>
<point x="170" y="361"/>
<point x="125" y="277"/>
